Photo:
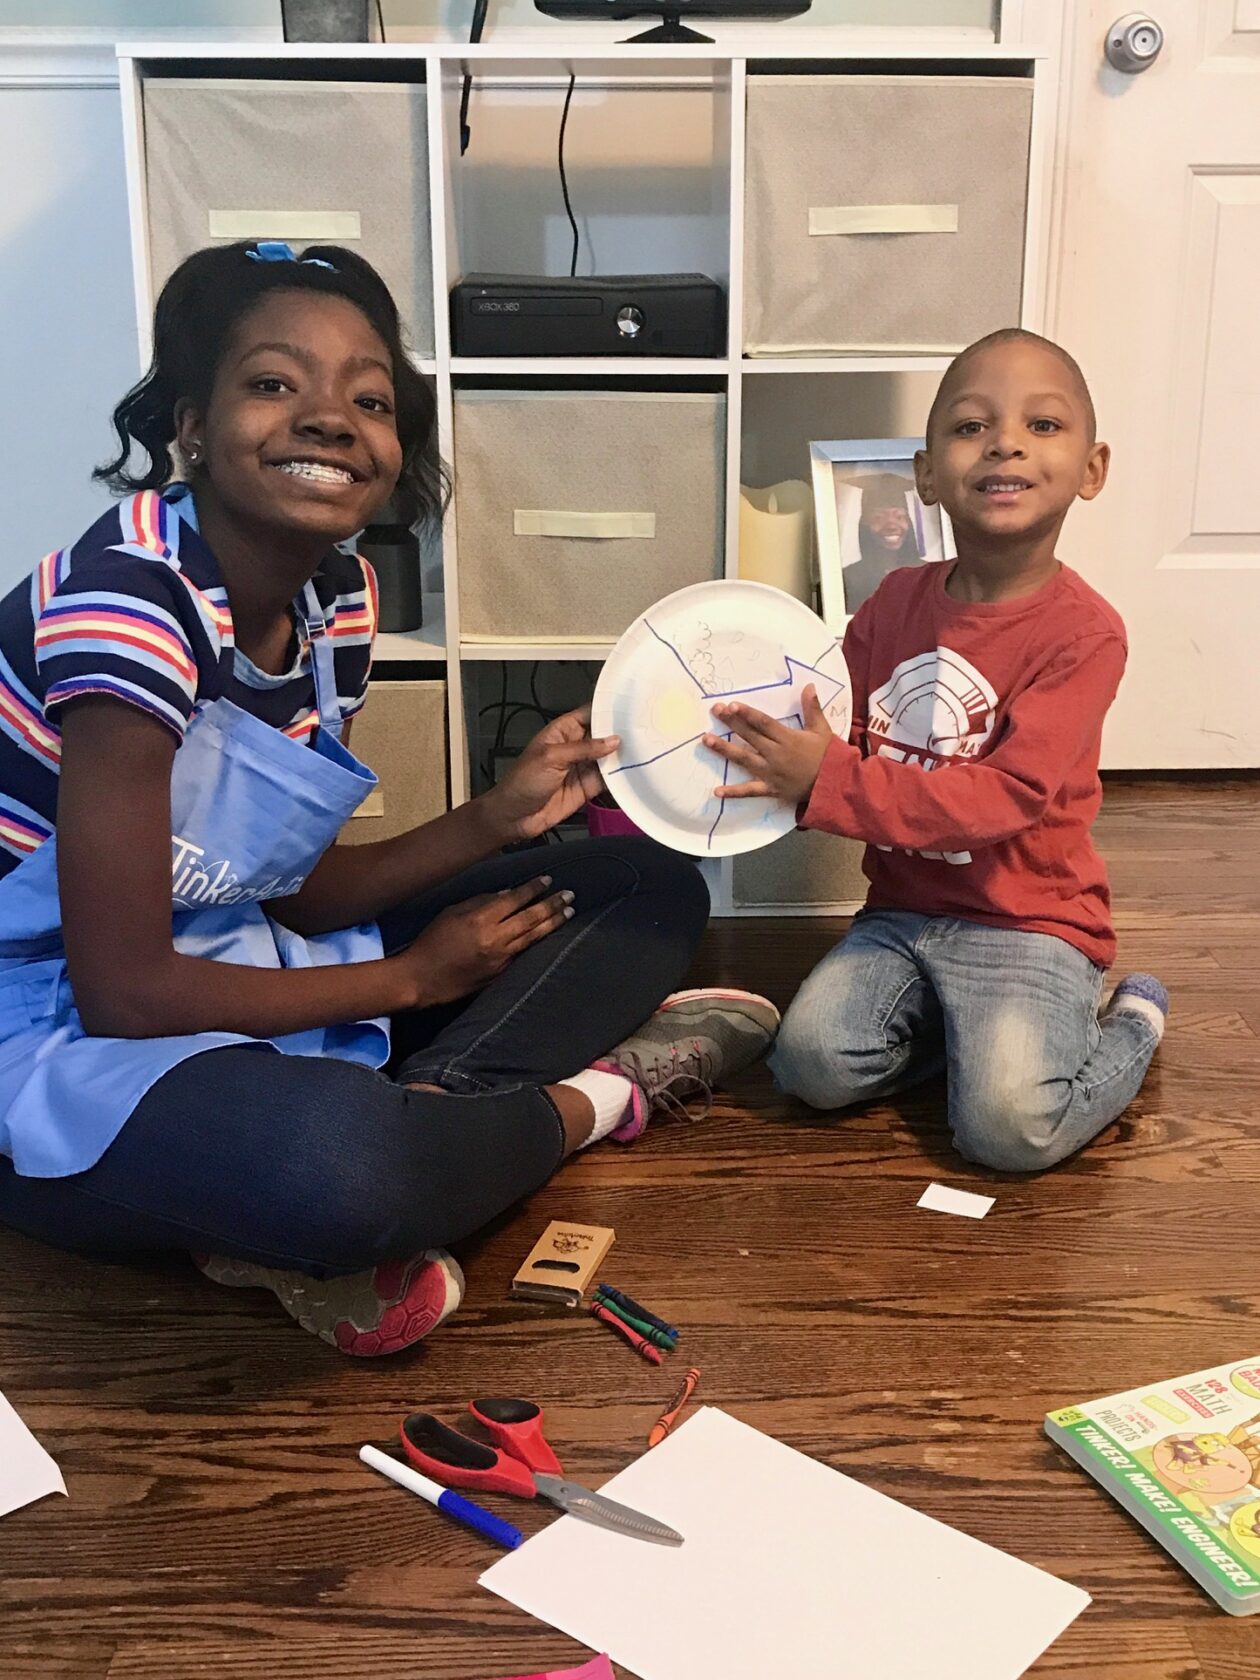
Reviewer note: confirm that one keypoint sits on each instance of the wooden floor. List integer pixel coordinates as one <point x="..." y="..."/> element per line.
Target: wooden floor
<point x="220" y="1524"/>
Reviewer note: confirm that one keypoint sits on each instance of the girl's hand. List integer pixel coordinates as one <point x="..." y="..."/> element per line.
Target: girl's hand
<point x="466" y="946"/>
<point x="783" y="762"/>
<point x="554" y="777"/>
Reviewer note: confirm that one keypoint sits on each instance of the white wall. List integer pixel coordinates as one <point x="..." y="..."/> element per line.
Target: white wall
<point x="67" y="328"/>
<point x="665" y="215"/>
<point x="156" y="15"/>
<point x="406" y="15"/>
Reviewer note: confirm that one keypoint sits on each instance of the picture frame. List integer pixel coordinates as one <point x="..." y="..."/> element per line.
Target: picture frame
<point x="869" y="520"/>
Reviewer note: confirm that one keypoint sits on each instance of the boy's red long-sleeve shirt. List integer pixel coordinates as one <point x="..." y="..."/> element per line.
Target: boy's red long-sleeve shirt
<point x="1004" y="704"/>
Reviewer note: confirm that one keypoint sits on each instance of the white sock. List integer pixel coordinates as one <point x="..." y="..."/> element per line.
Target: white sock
<point x="608" y="1094"/>
<point x="1129" y="1003"/>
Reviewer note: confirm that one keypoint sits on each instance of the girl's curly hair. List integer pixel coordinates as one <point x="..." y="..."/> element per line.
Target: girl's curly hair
<point x="199" y="309"/>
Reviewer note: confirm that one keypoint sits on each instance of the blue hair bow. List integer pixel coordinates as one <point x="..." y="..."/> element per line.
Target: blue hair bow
<point x="277" y="250"/>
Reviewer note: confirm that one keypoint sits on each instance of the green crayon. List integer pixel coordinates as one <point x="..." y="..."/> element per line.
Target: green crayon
<point x="649" y="1332"/>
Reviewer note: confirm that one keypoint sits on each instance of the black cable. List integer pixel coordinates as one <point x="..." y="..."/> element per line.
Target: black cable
<point x="564" y="182"/>
<point x="520" y="706"/>
<point x="508" y="712"/>
<point x="514" y="706"/>
<point x="475" y="31"/>
<point x="465" y="133"/>
<point x="380" y="18"/>
<point x="503" y="705"/>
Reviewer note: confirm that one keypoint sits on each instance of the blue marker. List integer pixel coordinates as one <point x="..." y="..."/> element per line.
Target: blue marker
<point x="454" y="1504"/>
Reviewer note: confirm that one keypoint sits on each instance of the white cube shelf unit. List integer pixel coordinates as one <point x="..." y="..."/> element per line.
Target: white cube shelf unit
<point x="661" y="182"/>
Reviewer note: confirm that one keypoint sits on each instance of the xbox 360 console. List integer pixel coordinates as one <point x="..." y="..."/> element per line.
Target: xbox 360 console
<point x="605" y="315"/>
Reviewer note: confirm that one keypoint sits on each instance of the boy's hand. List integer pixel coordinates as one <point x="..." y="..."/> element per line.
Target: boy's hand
<point x="783" y="762"/>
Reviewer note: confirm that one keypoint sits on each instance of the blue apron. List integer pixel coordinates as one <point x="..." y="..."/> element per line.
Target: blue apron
<point x="252" y="812"/>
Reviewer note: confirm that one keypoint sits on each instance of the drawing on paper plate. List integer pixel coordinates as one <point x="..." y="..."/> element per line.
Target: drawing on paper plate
<point x="730" y="640"/>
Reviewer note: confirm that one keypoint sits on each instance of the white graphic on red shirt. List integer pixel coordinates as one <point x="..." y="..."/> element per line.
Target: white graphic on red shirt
<point x="934" y="708"/>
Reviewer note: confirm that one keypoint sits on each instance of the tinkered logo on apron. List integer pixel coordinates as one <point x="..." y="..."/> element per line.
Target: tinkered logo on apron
<point x="196" y="883"/>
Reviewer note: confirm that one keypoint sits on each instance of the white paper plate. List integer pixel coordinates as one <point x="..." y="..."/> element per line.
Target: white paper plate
<point x="727" y="640"/>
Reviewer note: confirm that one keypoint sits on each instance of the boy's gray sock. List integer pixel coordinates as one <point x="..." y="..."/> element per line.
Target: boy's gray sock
<point x="1142" y="994"/>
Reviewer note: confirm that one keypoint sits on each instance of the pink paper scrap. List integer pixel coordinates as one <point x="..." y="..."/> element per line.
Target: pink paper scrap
<point x="599" y="1668"/>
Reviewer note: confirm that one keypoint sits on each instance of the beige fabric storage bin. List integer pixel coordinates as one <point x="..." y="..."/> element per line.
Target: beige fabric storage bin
<point x="401" y="734"/>
<point x="329" y="163"/>
<point x="805" y="868"/>
<point x="883" y="213"/>
<point x="576" y="511"/>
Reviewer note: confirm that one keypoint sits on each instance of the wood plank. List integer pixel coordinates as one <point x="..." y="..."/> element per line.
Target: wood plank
<point x="44" y="1658"/>
<point x="1226" y="1649"/>
<point x="307" y="1653"/>
<point x="1148" y="1650"/>
<point x="220" y="1522"/>
<point x="1141" y="1650"/>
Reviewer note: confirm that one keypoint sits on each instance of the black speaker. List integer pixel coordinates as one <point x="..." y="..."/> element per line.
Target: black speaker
<point x="393" y="552"/>
<point x="325" y="20"/>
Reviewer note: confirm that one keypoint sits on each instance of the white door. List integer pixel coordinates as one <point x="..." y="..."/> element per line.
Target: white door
<point x="1155" y="287"/>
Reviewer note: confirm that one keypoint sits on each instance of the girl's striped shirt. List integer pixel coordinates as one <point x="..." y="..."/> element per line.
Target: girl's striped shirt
<point x="136" y="610"/>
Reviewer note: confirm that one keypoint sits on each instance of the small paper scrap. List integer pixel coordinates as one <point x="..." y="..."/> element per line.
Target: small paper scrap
<point x="941" y="1199"/>
<point x="599" y="1668"/>
<point x="27" y="1473"/>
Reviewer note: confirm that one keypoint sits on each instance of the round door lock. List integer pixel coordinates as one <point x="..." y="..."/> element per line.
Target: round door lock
<point x="629" y="321"/>
<point x="1133" y="43"/>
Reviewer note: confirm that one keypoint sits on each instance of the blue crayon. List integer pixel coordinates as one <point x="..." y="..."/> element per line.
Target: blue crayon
<point x="632" y="1306"/>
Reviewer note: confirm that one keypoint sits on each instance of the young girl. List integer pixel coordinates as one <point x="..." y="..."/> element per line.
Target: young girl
<point x="197" y="984"/>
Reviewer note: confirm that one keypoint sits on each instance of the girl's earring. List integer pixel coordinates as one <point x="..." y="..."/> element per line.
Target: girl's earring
<point x="194" y="453"/>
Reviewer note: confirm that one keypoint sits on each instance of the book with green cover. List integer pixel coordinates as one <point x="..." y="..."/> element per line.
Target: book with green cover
<point x="1183" y="1457"/>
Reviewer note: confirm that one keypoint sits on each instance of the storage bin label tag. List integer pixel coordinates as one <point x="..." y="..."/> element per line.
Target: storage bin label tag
<point x="323" y="225"/>
<point x="883" y="218"/>
<point x="554" y="522"/>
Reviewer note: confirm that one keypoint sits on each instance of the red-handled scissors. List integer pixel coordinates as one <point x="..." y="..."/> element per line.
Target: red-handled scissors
<point x="522" y="1463"/>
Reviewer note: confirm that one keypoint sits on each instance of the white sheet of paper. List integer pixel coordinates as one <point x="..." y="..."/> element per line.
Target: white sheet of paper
<point x="941" y="1199"/>
<point x="27" y="1472"/>
<point x="787" y="1568"/>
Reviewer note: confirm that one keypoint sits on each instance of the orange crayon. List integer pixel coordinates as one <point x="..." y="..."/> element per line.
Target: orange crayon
<point x="669" y="1417"/>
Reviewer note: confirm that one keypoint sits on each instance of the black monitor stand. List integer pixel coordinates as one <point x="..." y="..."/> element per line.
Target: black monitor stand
<point x="670" y="31"/>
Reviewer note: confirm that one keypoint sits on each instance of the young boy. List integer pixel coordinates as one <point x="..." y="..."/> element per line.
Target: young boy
<point x="986" y="931"/>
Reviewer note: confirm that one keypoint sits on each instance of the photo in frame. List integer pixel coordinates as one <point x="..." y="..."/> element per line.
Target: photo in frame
<point x="869" y="519"/>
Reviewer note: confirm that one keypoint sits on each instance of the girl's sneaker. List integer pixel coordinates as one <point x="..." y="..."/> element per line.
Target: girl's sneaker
<point x="693" y="1042"/>
<point x="366" y="1313"/>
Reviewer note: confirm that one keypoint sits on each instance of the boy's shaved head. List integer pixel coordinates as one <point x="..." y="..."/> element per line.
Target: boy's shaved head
<point x="1011" y="444"/>
<point x="955" y="374"/>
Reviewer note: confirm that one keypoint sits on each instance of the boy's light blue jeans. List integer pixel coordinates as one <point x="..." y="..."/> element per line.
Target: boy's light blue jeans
<point x="1033" y="1071"/>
